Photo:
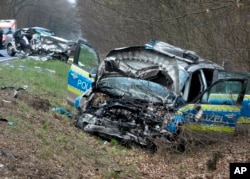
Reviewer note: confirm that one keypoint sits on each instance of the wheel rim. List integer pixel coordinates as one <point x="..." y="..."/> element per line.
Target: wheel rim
<point x="9" y="49"/>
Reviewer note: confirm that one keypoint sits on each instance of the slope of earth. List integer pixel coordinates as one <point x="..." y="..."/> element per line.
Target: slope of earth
<point x="37" y="142"/>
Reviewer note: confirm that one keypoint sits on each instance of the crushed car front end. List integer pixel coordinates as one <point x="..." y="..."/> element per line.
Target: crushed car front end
<point x="57" y="47"/>
<point x="38" y="42"/>
<point x="128" y="109"/>
<point x="137" y="91"/>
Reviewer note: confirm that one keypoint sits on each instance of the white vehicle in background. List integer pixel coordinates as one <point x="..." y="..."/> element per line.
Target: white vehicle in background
<point x="7" y="24"/>
<point x="39" y="42"/>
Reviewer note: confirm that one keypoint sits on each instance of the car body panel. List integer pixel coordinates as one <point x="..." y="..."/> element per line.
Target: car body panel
<point x="220" y="111"/>
<point x="79" y="80"/>
<point x="245" y="111"/>
<point x="216" y="118"/>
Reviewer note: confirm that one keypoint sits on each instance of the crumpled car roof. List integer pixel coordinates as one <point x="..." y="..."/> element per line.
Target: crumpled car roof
<point x="156" y="61"/>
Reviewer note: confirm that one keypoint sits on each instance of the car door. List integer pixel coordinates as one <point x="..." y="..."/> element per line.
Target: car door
<point x="201" y="76"/>
<point x="80" y="75"/>
<point x="217" y="109"/>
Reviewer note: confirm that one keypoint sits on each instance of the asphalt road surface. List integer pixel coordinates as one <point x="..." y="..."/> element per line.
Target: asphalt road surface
<point x="5" y="57"/>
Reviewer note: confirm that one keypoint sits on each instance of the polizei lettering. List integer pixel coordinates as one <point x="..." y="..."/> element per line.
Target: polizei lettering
<point x="83" y="85"/>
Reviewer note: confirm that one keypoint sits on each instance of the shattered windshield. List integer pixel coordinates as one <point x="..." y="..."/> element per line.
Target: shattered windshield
<point x="134" y="88"/>
<point x="45" y="31"/>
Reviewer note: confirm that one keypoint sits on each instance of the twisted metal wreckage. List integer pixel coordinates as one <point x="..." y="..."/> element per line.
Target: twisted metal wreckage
<point x="38" y="43"/>
<point x="157" y="90"/>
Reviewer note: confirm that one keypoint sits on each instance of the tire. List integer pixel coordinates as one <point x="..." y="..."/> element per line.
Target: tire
<point x="64" y="57"/>
<point x="10" y="50"/>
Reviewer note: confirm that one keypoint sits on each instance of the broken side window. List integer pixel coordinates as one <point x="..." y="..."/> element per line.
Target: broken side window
<point x="88" y="59"/>
<point x="196" y="86"/>
<point x="225" y="92"/>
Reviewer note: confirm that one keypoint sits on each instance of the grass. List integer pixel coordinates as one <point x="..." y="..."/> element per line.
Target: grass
<point x="44" y="78"/>
<point x="52" y="137"/>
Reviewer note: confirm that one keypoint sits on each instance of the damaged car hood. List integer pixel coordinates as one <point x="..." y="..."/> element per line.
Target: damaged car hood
<point x="54" y="43"/>
<point x="55" y="39"/>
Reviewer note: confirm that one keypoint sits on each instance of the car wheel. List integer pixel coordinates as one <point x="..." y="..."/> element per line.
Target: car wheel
<point x="10" y="50"/>
<point x="64" y="58"/>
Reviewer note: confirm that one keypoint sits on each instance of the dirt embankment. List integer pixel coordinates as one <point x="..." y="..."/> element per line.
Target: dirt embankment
<point x="38" y="143"/>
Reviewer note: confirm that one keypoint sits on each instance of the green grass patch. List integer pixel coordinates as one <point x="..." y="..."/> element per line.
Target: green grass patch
<point x="40" y="77"/>
<point x="48" y="136"/>
<point x="48" y="79"/>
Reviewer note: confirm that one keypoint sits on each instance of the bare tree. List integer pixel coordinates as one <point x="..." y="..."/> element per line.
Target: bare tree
<point x="217" y="30"/>
<point x="58" y="15"/>
<point x="214" y="29"/>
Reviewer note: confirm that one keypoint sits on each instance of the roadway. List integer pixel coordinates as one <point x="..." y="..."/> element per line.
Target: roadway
<point x="4" y="57"/>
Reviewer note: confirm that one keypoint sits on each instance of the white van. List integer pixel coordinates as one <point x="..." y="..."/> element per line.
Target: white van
<point x="6" y="25"/>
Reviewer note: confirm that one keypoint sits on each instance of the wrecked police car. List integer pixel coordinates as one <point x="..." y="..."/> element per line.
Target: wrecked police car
<point x="136" y="94"/>
<point x="38" y="41"/>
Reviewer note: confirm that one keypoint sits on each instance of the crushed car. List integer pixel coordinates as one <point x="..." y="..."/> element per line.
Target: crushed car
<point x="139" y="93"/>
<point x="38" y="41"/>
